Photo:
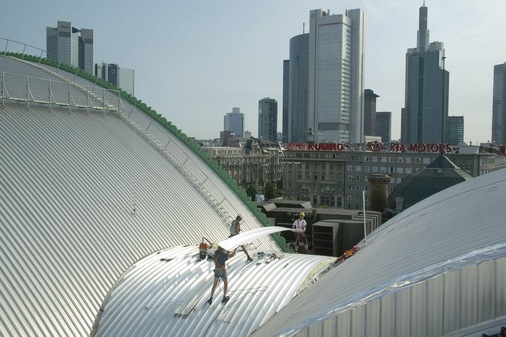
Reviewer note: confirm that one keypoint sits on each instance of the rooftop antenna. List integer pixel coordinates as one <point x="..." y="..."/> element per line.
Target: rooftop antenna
<point x="423" y="5"/>
<point x="303" y="28"/>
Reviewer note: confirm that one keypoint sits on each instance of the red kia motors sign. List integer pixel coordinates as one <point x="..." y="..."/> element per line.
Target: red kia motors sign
<point x="373" y="146"/>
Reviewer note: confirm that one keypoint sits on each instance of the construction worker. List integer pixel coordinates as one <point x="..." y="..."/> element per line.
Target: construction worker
<point x="220" y="271"/>
<point x="300" y="224"/>
<point x="235" y="228"/>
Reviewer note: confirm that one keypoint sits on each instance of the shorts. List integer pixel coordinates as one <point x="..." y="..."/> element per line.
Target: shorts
<point x="219" y="273"/>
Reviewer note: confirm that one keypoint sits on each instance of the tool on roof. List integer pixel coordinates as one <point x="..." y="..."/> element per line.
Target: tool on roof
<point x="203" y="246"/>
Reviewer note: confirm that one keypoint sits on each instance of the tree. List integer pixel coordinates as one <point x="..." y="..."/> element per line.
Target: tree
<point x="251" y="191"/>
<point x="271" y="190"/>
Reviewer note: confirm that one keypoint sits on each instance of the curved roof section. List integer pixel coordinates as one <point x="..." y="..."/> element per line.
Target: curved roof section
<point x="436" y="269"/>
<point x="165" y="294"/>
<point x="440" y="174"/>
<point x="87" y="192"/>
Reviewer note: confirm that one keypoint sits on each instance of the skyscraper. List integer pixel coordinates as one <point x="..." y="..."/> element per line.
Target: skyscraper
<point x="326" y="79"/>
<point x="297" y="84"/>
<point x="70" y="45"/>
<point x="384" y="125"/>
<point x="121" y="77"/>
<point x="370" y="112"/>
<point x="336" y="76"/>
<point x="426" y="94"/>
<point x="267" y="119"/>
<point x="455" y="130"/>
<point x="234" y="121"/>
<point x="286" y="88"/>
<point x="499" y="105"/>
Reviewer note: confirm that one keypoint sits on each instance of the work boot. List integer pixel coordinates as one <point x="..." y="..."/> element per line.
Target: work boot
<point x="249" y="259"/>
<point x="225" y="299"/>
<point x="210" y="301"/>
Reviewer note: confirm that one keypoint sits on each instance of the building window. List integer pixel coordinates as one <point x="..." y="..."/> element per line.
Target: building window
<point x="328" y="201"/>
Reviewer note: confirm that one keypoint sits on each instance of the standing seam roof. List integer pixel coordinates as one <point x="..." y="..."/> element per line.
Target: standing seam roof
<point x="84" y="194"/>
<point x="457" y="235"/>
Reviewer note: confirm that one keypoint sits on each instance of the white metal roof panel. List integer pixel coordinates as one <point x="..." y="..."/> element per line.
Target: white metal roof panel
<point x="83" y="196"/>
<point x="165" y="294"/>
<point x="457" y="235"/>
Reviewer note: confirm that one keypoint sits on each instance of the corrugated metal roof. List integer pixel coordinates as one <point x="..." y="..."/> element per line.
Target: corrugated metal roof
<point x="86" y="195"/>
<point x="83" y="196"/>
<point x="436" y="269"/>
<point x="165" y="294"/>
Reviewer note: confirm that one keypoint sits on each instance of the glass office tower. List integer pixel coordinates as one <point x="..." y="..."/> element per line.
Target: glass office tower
<point x="426" y="90"/>
<point x="268" y="119"/>
<point x="499" y="105"/>
<point x="69" y="45"/>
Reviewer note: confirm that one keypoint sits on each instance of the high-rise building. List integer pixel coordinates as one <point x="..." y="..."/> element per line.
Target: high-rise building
<point x="426" y="102"/>
<point x="296" y="84"/>
<point x="70" y="45"/>
<point x="234" y="121"/>
<point x="286" y="88"/>
<point x="499" y="105"/>
<point x="112" y="73"/>
<point x="326" y="79"/>
<point x="370" y="112"/>
<point x="268" y="119"/>
<point x="384" y="125"/>
<point x="455" y="130"/>
<point x="336" y="76"/>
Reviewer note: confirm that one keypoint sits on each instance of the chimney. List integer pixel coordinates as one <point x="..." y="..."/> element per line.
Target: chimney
<point x="379" y="191"/>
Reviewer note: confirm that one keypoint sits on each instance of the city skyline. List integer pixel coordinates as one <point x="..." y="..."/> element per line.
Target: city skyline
<point x="192" y="68"/>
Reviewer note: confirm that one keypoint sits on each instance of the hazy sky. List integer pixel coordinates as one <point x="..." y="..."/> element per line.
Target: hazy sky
<point x="195" y="60"/>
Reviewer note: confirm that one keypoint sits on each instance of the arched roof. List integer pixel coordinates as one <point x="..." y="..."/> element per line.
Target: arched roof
<point x="440" y="174"/>
<point x="87" y="192"/>
<point x="166" y="293"/>
<point x="436" y="269"/>
<point x="88" y="196"/>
